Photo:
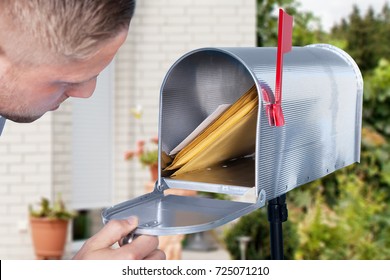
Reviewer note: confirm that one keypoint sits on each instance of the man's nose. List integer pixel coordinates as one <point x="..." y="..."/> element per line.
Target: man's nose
<point x="84" y="90"/>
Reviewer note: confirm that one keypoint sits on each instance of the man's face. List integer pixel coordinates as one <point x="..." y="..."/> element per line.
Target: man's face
<point x="26" y="93"/>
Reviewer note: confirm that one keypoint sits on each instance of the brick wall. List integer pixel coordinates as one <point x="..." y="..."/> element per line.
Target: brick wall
<point x="25" y="176"/>
<point x="61" y="133"/>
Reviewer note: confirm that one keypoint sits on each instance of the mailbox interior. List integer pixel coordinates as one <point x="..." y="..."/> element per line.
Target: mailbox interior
<point x="194" y="87"/>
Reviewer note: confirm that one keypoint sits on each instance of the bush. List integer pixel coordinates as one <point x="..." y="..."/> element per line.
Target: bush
<point x="256" y="226"/>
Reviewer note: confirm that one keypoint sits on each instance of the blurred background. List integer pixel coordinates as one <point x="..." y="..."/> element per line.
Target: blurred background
<point x="100" y="151"/>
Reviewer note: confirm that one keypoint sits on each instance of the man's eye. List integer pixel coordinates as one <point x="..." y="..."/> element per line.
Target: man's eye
<point x="69" y="84"/>
<point x="73" y="84"/>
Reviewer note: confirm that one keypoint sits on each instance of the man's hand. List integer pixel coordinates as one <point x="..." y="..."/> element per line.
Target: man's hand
<point x="144" y="247"/>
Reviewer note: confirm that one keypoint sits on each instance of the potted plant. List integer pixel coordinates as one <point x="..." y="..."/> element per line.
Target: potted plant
<point x="49" y="227"/>
<point x="147" y="153"/>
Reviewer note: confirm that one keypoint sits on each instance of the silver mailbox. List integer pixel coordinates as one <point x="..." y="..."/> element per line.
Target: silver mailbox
<point x="322" y="107"/>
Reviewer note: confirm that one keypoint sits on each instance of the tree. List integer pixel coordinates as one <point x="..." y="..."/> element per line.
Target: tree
<point x="366" y="36"/>
<point x="307" y="28"/>
<point x="377" y="98"/>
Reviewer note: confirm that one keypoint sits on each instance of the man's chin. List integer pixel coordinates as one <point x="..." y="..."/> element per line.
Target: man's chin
<point x="21" y="119"/>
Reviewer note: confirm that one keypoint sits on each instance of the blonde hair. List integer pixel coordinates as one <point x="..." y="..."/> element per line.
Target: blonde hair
<point x="68" y="29"/>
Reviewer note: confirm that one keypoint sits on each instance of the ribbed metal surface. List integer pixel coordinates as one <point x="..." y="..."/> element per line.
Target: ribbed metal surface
<point x="322" y="97"/>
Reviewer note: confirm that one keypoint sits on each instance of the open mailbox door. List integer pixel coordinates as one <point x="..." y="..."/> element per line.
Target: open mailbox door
<point x="322" y="108"/>
<point x="161" y="214"/>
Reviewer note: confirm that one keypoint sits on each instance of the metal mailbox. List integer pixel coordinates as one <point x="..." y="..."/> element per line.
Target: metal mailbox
<point x="322" y="107"/>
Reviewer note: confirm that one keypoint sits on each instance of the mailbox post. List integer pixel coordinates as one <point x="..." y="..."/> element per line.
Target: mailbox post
<point x="277" y="214"/>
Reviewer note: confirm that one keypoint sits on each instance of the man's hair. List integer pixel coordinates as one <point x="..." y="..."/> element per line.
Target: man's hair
<point x="69" y="29"/>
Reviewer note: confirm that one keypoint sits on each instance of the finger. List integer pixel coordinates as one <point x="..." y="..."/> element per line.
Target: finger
<point x="156" y="255"/>
<point x="112" y="232"/>
<point x="140" y="247"/>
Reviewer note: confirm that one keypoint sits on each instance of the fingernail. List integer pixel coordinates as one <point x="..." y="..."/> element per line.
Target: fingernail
<point x="133" y="220"/>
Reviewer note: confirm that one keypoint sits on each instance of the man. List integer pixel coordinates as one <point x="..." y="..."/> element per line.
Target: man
<point x="51" y="50"/>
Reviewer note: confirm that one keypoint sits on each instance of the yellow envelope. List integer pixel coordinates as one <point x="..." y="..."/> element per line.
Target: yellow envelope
<point x="165" y="160"/>
<point x="238" y="141"/>
<point x="230" y="118"/>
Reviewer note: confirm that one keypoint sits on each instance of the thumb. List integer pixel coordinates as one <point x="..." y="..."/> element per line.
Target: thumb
<point x="113" y="231"/>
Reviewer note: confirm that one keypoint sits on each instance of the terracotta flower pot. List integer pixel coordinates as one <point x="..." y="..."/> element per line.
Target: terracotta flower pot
<point x="154" y="172"/>
<point x="49" y="237"/>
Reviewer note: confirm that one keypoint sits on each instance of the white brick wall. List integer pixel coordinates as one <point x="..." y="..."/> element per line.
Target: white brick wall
<point x="61" y="160"/>
<point x="35" y="158"/>
<point x="25" y="176"/>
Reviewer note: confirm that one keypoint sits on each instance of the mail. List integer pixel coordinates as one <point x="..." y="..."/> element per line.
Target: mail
<point x="231" y="135"/>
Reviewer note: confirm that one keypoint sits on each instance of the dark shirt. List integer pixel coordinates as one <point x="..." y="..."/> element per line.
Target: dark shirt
<point x="2" y="123"/>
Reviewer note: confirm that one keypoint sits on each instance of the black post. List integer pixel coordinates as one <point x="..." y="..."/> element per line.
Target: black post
<point x="277" y="214"/>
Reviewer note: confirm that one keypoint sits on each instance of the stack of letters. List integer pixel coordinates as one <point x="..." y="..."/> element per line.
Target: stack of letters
<point x="228" y="133"/>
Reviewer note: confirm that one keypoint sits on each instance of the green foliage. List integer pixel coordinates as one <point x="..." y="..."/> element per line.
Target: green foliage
<point x="374" y="166"/>
<point x="318" y="229"/>
<point x="255" y="225"/>
<point x="377" y="98"/>
<point x="57" y="211"/>
<point x="307" y="27"/>
<point x="366" y="36"/>
<point x="349" y="230"/>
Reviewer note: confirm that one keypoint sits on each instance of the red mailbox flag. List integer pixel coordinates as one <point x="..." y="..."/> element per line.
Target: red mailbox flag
<point x="275" y="114"/>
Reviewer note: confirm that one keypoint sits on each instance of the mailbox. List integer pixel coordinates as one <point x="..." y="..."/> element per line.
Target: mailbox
<point x="322" y="108"/>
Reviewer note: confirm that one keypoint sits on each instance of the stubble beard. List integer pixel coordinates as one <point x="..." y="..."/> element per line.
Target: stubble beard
<point x="13" y="109"/>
